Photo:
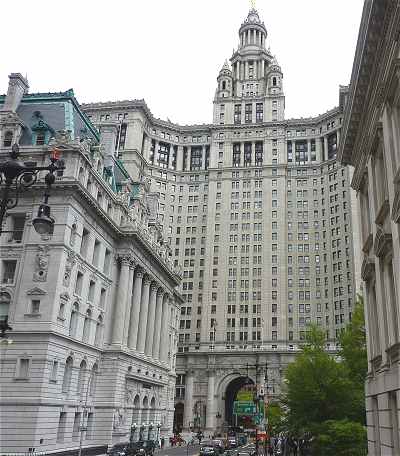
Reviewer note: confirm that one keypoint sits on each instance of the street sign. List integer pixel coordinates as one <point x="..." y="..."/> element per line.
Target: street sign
<point x="245" y="396"/>
<point x="243" y="408"/>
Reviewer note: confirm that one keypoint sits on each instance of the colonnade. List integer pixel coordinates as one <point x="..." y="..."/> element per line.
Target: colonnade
<point x="141" y="315"/>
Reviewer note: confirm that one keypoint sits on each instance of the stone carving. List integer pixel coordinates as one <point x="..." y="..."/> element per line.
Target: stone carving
<point x="69" y="264"/>
<point x="129" y="394"/>
<point x="42" y="264"/>
<point x="118" y="419"/>
<point x="62" y="138"/>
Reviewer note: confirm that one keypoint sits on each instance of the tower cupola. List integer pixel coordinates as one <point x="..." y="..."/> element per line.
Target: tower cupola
<point x="274" y="77"/>
<point x="252" y="32"/>
<point x="224" y="79"/>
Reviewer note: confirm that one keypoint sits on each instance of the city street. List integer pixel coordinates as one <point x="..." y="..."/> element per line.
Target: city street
<point x="183" y="450"/>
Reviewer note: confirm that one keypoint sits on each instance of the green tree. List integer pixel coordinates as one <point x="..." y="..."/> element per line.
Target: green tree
<point x="341" y="438"/>
<point x="353" y="345"/>
<point x="276" y="419"/>
<point x="353" y="354"/>
<point x="317" y="387"/>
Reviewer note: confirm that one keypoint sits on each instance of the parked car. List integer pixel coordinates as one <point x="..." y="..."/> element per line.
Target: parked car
<point x="208" y="449"/>
<point x="232" y="442"/>
<point x="219" y="444"/>
<point x="119" y="449"/>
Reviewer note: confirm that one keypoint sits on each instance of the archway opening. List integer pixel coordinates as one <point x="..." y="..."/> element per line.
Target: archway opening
<point x="178" y="417"/>
<point x="231" y="392"/>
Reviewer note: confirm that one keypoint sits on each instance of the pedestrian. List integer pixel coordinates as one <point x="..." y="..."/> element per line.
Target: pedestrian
<point x="162" y="443"/>
<point x="270" y="450"/>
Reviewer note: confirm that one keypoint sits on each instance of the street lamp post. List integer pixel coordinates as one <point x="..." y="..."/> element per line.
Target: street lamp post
<point x="18" y="176"/>
<point x="83" y="426"/>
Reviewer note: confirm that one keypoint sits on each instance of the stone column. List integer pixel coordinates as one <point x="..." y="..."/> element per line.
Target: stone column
<point x="134" y="320"/>
<point x="325" y="147"/>
<point x="188" y="410"/>
<point x="150" y="320"/>
<point x="179" y="158"/>
<point x="309" y="150"/>
<point x="120" y="303"/>
<point x="128" y="305"/>
<point x="210" y="400"/>
<point x="203" y="151"/>
<point x="157" y="328"/>
<point x="144" y="306"/>
<point x="163" y="353"/>
<point x="155" y="155"/>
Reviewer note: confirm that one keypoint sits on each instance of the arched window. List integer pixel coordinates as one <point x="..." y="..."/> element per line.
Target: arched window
<point x="67" y="375"/>
<point x="93" y="380"/>
<point x="99" y="331"/>
<point x="152" y="415"/>
<point x="274" y="81"/>
<point x="8" y="138"/>
<point x="81" y="378"/>
<point x="5" y="300"/>
<point x="73" y="322"/>
<point x="40" y="138"/>
<point x="61" y="310"/>
<point x="223" y="85"/>
<point x="86" y="326"/>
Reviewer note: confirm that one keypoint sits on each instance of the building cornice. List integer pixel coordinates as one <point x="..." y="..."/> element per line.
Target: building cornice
<point x="364" y="85"/>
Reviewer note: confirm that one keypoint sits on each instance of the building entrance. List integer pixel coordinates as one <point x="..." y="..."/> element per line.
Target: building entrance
<point x="230" y="396"/>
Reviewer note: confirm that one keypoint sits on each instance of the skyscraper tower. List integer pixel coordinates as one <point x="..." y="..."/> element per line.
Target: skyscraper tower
<point x="258" y="213"/>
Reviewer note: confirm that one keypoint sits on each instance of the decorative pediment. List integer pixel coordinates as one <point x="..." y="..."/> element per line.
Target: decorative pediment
<point x="41" y="125"/>
<point x="383" y="243"/>
<point x="367" y="268"/>
<point x="36" y="291"/>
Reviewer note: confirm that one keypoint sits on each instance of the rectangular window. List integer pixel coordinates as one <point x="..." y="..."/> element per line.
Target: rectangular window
<point x="84" y="242"/>
<point x="248" y="113"/>
<point x="103" y="293"/>
<point x="62" y="423"/>
<point x="76" y="426"/>
<point x="54" y="371"/>
<point x="259" y="112"/>
<point x="96" y="253"/>
<point x="107" y="262"/>
<point x="23" y="368"/>
<point x="17" y="228"/>
<point x="79" y="283"/>
<point x="8" y="271"/>
<point x="35" y="306"/>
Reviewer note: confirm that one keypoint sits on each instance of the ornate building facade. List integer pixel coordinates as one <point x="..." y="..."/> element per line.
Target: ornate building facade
<point x="93" y="306"/>
<point x="371" y="144"/>
<point x="257" y="210"/>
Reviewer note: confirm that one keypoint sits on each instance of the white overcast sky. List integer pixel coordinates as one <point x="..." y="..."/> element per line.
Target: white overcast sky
<point x="170" y="52"/>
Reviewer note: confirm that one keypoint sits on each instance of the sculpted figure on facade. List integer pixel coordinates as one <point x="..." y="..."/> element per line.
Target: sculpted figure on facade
<point x="69" y="264"/>
<point x="41" y="264"/>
